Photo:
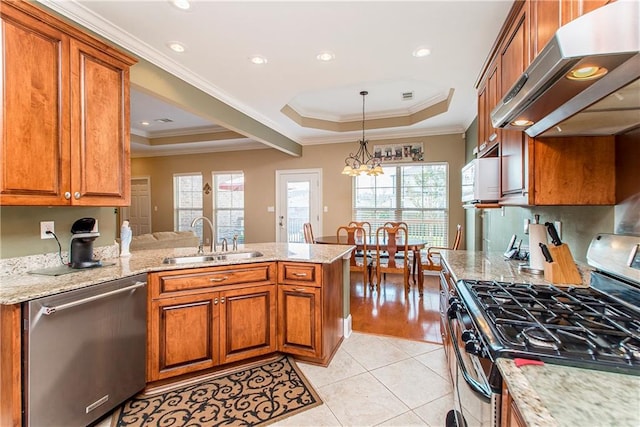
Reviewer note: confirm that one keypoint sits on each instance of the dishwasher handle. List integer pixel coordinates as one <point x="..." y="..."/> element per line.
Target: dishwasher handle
<point x="50" y="310"/>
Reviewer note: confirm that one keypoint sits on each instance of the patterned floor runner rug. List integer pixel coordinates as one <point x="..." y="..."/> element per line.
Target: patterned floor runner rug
<point x="256" y="395"/>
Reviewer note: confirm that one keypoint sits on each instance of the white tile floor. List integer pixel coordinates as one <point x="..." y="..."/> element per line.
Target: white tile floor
<point x="377" y="381"/>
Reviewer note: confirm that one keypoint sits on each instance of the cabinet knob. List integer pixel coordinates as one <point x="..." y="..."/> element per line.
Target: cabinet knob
<point x="222" y="300"/>
<point x="67" y="195"/>
<point x="215" y="301"/>
<point x="76" y="195"/>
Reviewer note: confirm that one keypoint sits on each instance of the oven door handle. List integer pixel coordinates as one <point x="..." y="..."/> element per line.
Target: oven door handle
<point x="482" y="390"/>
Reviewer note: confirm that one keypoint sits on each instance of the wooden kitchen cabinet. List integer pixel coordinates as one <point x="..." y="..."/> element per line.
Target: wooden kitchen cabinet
<point x="542" y="171"/>
<point x="205" y="317"/>
<point x="310" y="304"/>
<point x="65" y="133"/>
<point x="488" y="97"/>
<point x="549" y="15"/>
<point x="510" y="414"/>
<point x="514" y="167"/>
<point x="514" y="56"/>
<point x="559" y="171"/>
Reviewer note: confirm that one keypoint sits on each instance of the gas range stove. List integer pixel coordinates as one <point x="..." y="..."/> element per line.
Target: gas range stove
<point x="596" y="327"/>
<point x="576" y="326"/>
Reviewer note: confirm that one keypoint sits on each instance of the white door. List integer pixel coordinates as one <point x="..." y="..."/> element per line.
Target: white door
<point x="139" y="213"/>
<point x="298" y="200"/>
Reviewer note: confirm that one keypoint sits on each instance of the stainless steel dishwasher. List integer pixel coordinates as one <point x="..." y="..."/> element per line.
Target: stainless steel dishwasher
<point x="84" y="352"/>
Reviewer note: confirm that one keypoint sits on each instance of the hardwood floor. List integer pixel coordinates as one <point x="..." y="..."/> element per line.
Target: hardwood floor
<point x="393" y="312"/>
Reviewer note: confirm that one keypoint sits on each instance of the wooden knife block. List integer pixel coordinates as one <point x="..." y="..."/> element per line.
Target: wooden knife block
<point x="563" y="269"/>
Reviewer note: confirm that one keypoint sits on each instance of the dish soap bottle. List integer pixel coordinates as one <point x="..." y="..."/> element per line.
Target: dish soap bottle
<point x="125" y="239"/>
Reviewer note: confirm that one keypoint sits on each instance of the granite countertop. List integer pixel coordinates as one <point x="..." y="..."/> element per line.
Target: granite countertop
<point x="556" y="395"/>
<point x="493" y="266"/>
<point x="553" y="395"/>
<point x="17" y="285"/>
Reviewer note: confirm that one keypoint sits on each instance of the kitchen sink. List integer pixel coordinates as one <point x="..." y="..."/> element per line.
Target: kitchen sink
<point x="239" y="255"/>
<point x="212" y="257"/>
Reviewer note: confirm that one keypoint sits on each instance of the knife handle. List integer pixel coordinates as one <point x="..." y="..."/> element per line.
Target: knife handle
<point x="545" y="252"/>
<point x="555" y="239"/>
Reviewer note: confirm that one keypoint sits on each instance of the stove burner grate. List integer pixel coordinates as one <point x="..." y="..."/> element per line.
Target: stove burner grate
<point x="567" y="324"/>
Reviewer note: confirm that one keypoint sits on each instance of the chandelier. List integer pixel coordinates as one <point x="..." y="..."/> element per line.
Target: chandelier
<point x="362" y="161"/>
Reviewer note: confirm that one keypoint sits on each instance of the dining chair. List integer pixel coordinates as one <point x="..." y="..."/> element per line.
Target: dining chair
<point x="359" y="261"/>
<point x="364" y="224"/>
<point x="394" y="241"/>
<point x="308" y="233"/>
<point x="432" y="260"/>
<point x="412" y="260"/>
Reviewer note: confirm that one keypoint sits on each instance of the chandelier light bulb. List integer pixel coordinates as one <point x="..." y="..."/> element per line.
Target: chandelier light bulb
<point x="362" y="161"/>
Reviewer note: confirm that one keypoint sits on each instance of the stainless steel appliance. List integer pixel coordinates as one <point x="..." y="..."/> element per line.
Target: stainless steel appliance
<point x="585" y="81"/>
<point x="84" y="352"/>
<point x="596" y="327"/>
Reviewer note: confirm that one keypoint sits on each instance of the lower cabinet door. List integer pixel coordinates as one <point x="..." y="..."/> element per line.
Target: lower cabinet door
<point x="247" y="322"/>
<point x="300" y="320"/>
<point x="183" y="335"/>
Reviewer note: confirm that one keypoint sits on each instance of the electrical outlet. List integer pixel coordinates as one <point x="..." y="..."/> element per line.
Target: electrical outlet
<point x="44" y="227"/>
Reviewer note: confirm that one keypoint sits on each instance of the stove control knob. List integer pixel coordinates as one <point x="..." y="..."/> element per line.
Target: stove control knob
<point x="468" y="335"/>
<point x="472" y="347"/>
<point x="454" y="307"/>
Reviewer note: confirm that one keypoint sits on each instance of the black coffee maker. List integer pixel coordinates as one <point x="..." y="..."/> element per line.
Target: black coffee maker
<point x="81" y="250"/>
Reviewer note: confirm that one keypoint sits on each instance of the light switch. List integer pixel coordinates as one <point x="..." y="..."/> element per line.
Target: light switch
<point x="271" y="209"/>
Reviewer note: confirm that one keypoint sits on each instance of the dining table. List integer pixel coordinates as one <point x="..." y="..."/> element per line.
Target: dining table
<point x="414" y="245"/>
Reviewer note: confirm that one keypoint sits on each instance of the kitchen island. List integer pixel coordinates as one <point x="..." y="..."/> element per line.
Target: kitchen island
<point x="295" y="297"/>
<point x="550" y="394"/>
<point x="21" y="286"/>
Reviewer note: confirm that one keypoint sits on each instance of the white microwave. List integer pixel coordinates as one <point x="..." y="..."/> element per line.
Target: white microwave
<point x="480" y="180"/>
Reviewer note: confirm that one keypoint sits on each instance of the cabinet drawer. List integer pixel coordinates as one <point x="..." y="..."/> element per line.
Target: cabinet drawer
<point x="187" y="281"/>
<point x="299" y="273"/>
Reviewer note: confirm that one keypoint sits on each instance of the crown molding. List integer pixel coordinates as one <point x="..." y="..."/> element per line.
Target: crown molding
<point x="76" y="12"/>
<point x="386" y="135"/>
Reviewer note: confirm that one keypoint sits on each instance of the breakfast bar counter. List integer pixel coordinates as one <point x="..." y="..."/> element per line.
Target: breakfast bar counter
<point x="18" y="285"/>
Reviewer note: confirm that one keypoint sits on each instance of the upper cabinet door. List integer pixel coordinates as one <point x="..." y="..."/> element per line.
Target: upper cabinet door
<point x="99" y="128"/>
<point x="514" y="55"/>
<point x="35" y="127"/>
<point x="546" y="18"/>
<point x="65" y="127"/>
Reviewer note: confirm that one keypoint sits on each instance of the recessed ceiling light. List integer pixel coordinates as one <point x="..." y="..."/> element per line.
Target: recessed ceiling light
<point x="181" y="4"/>
<point x="258" y="59"/>
<point x="326" y="56"/>
<point x="421" y="52"/>
<point x="176" y="47"/>
<point x="145" y="123"/>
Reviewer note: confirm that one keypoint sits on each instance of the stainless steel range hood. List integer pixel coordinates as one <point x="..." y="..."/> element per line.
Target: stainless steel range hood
<point x="554" y="104"/>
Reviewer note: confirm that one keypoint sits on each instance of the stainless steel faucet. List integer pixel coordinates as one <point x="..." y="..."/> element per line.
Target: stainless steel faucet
<point x="213" y="233"/>
<point x="225" y="245"/>
<point x="235" y="242"/>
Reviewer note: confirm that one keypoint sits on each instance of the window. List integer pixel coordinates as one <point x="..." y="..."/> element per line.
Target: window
<point x="228" y="205"/>
<point x="415" y="194"/>
<point x="187" y="200"/>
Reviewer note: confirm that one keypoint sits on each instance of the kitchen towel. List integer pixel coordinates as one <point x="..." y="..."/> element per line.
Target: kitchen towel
<point x="537" y="235"/>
